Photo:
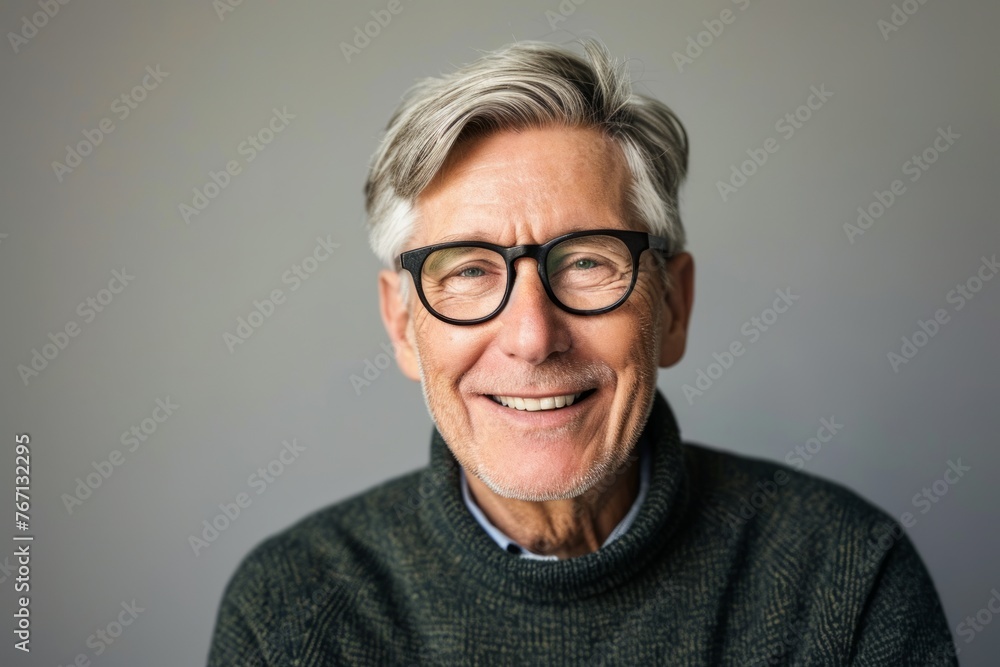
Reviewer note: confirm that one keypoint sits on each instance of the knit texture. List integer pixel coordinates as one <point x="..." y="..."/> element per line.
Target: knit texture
<point x="730" y="561"/>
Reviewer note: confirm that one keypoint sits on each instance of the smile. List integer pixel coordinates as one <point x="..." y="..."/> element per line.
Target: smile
<point x="541" y="403"/>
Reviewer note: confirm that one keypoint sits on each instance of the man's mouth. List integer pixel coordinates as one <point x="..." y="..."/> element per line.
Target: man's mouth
<point x="537" y="404"/>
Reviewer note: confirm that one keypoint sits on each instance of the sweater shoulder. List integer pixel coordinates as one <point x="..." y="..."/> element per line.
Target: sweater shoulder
<point x="313" y="573"/>
<point x="792" y="539"/>
<point x="328" y="553"/>
<point x="763" y="497"/>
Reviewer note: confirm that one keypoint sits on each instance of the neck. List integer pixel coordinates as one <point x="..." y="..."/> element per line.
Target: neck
<point x="461" y="543"/>
<point x="565" y="528"/>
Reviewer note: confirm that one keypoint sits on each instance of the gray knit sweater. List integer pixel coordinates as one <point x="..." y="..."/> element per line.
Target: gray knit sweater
<point x="730" y="561"/>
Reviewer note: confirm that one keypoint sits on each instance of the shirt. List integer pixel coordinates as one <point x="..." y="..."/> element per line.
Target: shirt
<point x="506" y="543"/>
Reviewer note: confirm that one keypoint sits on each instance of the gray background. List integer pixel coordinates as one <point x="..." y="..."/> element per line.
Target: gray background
<point x="163" y="334"/>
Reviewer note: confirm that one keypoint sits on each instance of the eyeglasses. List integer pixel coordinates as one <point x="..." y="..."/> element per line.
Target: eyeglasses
<point x="584" y="273"/>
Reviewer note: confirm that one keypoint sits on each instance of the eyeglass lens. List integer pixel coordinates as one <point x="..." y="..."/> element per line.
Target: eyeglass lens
<point x="584" y="273"/>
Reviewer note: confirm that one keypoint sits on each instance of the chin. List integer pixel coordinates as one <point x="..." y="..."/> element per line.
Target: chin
<point x="546" y="475"/>
<point x="533" y="490"/>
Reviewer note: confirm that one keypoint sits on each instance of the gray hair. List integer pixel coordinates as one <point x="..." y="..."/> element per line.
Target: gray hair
<point x="528" y="84"/>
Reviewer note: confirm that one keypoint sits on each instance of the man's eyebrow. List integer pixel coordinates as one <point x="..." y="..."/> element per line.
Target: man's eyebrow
<point x="491" y="238"/>
<point x="471" y="236"/>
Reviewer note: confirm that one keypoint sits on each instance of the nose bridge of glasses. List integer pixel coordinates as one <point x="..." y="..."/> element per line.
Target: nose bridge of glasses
<point x="530" y="251"/>
<point x="515" y="253"/>
<point x="525" y="252"/>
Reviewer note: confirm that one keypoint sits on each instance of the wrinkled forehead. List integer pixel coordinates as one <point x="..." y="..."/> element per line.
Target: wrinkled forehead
<point x="525" y="186"/>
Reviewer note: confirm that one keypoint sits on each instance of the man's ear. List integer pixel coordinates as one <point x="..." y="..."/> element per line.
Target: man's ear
<point x="396" y="318"/>
<point x="677" y="309"/>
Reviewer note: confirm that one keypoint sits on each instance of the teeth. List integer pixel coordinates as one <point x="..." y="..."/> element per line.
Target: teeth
<point x="537" y="404"/>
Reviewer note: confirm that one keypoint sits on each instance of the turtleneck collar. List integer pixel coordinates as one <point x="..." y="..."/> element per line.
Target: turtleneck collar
<point x="460" y="540"/>
<point x="505" y="542"/>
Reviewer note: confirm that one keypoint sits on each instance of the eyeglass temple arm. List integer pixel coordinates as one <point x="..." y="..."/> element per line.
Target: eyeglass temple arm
<point x="660" y="243"/>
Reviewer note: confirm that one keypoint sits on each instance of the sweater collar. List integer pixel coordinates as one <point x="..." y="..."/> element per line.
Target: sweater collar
<point x="459" y="539"/>
<point x="506" y="543"/>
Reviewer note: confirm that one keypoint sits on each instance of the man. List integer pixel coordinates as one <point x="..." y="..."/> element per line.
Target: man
<point x="527" y="205"/>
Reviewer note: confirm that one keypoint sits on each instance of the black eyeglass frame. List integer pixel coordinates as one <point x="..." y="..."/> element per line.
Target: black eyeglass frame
<point x="636" y="242"/>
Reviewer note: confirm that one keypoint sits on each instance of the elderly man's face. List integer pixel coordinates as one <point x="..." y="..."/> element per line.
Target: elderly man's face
<point x="519" y="188"/>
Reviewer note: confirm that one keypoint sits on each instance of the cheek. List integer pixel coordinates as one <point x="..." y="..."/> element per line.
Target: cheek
<point x="635" y="332"/>
<point x="635" y="355"/>
<point x="446" y="352"/>
<point x="647" y="309"/>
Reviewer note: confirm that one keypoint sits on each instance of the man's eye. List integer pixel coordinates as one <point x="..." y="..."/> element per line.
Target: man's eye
<point x="585" y="264"/>
<point x="471" y="272"/>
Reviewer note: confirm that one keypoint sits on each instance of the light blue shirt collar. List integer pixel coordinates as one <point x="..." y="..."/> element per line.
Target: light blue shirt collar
<point x="506" y="543"/>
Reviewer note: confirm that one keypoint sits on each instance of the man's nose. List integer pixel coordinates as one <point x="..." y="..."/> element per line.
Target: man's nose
<point x="532" y="327"/>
